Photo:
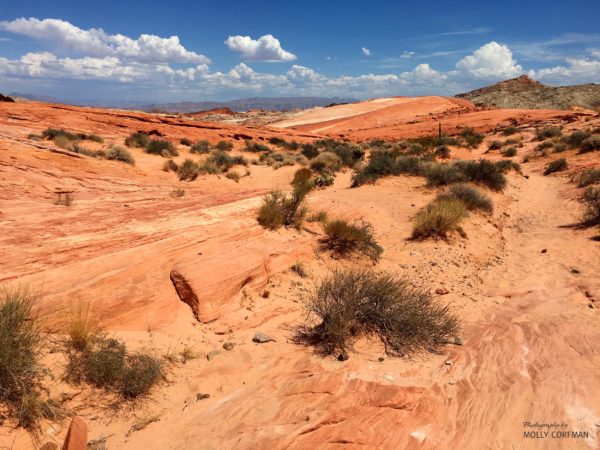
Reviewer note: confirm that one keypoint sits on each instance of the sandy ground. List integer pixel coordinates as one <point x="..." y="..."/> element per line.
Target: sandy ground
<point x="530" y="336"/>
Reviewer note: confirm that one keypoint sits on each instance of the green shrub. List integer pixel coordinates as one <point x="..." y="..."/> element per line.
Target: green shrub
<point x="591" y="197"/>
<point x="509" y="152"/>
<point x="323" y="180"/>
<point x="587" y="177"/>
<point x="438" y="218"/>
<point x="495" y="145"/>
<point x="52" y="133"/>
<point x="472" y="198"/>
<point x="548" y="132"/>
<point x="120" y="154"/>
<point x="559" y="147"/>
<point x="255" y="147"/>
<point x="200" y="147"/>
<point x="508" y="131"/>
<point x="345" y="237"/>
<point x="224" y="146"/>
<point x="385" y="163"/>
<point x="161" y="147"/>
<point x="472" y="139"/>
<point x="189" y="170"/>
<point x="107" y="365"/>
<point x="354" y="303"/>
<point x="140" y="140"/>
<point x="556" y="166"/>
<point x="186" y="141"/>
<point x="279" y="142"/>
<point x="506" y="165"/>
<point x="442" y="152"/>
<point x="576" y="138"/>
<point x="590" y="144"/>
<point x="309" y="150"/>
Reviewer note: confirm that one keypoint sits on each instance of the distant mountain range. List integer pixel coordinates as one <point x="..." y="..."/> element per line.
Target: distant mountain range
<point x="242" y="104"/>
<point x="245" y="104"/>
<point x="523" y="92"/>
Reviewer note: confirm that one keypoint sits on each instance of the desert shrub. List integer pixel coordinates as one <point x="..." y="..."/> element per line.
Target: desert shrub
<point x="438" y="218"/>
<point x="120" y="154"/>
<point x="590" y="144"/>
<point x="506" y="165"/>
<point x="302" y="176"/>
<point x="188" y="170"/>
<point x="200" y="147"/>
<point x="94" y="138"/>
<point x="509" y="152"/>
<point x="161" y="147"/>
<point x="63" y="199"/>
<point x="443" y="174"/>
<point x="587" y="177"/>
<point x="323" y="180"/>
<point x="176" y="193"/>
<point x="495" y="145"/>
<point x="355" y="303"/>
<point x="281" y="209"/>
<point x="279" y="142"/>
<point x="137" y="140"/>
<point x="170" y="165"/>
<point x="591" y="197"/>
<point x="556" y="166"/>
<point x="508" y="131"/>
<point x="482" y="172"/>
<point x="442" y="152"/>
<point x="107" y="365"/>
<point x="345" y="237"/>
<point x="82" y="150"/>
<point x="20" y="348"/>
<point x="326" y="162"/>
<point x="385" y="163"/>
<point x="53" y="133"/>
<point x="349" y="154"/>
<point x="559" y="147"/>
<point x="139" y="375"/>
<point x="186" y="141"/>
<point x="472" y="198"/>
<point x="309" y="150"/>
<point x="576" y="138"/>
<point x="255" y="147"/>
<point x="548" y="132"/>
<point x="224" y="146"/>
<point x="472" y="139"/>
<point x="233" y="176"/>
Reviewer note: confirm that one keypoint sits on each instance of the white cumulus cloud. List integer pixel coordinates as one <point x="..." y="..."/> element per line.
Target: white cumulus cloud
<point x="96" y="43"/>
<point x="491" y="61"/>
<point x="577" y="70"/>
<point x="366" y="51"/>
<point x="266" y="48"/>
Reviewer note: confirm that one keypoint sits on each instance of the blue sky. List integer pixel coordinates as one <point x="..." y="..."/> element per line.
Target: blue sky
<point x="223" y="50"/>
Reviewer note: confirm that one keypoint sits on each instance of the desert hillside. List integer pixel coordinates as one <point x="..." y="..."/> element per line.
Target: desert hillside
<point x="523" y="92"/>
<point x="199" y="253"/>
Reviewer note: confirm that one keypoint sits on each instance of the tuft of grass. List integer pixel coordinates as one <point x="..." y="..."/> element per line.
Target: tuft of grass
<point x="63" y="199"/>
<point x="281" y="209"/>
<point x="177" y="193"/>
<point x="200" y="147"/>
<point x="62" y="141"/>
<point x="326" y="162"/>
<point x="438" y="218"/>
<point x="318" y="216"/>
<point x="120" y="154"/>
<point x="20" y="368"/>
<point x="224" y="146"/>
<point x="83" y="328"/>
<point x="170" y="165"/>
<point x="576" y="138"/>
<point x="255" y="147"/>
<point x="472" y="198"/>
<point x="233" y="176"/>
<point x="471" y="138"/>
<point x="345" y="237"/>
<point x="186" y="141"/>
<point x="140" y="373"/>
<point x="299" y="269"/>
<point x="188" y="170"/>
<point x="509" y="131"/>
<point x="557" y="165"/>
<point x="354" y="303"/>
<point x="587" y="177"/>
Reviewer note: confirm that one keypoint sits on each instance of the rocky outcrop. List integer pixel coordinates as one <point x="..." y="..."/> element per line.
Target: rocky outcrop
<point x="77" y="435"/>
<point x="186" y="293"/>
<point x="6" y="98"/>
